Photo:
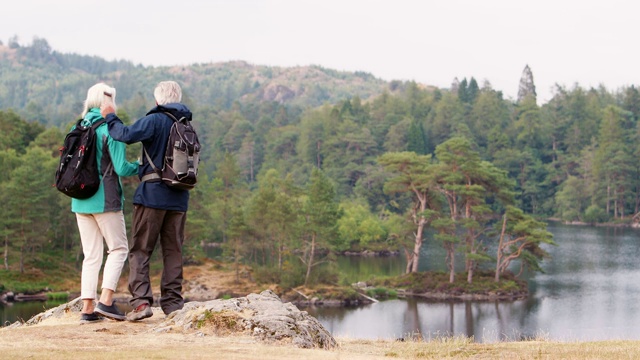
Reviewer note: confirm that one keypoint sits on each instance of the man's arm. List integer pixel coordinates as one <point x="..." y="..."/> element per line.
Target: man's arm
<point x="141" y="130"/>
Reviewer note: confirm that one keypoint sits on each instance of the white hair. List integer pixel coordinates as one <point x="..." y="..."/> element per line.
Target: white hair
<point x="167" y="92"/>
<point x="96" y="96"/>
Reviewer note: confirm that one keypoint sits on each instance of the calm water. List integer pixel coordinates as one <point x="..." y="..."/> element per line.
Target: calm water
<point x="24" y="310"/>
<point x="590" y="291"/>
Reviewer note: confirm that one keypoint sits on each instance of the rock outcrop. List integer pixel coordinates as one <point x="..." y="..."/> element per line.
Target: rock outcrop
<point x="263" y="316"/>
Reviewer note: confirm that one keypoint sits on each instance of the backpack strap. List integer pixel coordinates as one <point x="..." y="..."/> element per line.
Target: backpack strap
<point x="150" y="177"/>
<point x="98" y="123"/>
<point x="155" y="175"/>
<point x="171" y="116"/>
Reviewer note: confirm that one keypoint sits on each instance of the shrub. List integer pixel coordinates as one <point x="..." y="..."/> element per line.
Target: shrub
<point x="595" y="214"/>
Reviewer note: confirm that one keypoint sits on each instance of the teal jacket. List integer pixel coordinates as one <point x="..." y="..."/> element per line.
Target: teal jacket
<point x="112" y="164"/>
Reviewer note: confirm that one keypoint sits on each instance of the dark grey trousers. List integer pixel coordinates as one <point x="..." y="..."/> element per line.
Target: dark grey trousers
<point x="149" y="225"/>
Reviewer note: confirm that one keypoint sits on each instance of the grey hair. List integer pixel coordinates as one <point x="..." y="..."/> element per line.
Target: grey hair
<point x="96" y="96"/>
<point x="167" y="92"/>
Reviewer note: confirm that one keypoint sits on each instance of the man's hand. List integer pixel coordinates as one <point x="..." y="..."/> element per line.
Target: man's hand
<point x="107" y="107"/>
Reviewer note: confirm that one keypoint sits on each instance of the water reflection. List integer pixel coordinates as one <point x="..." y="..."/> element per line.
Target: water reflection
<point x="589" y="292"/>
<point x="485" y="321"/>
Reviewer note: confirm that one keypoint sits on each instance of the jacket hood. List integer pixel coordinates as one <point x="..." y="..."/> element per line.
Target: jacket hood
<point x="92" y="116"/>
<point x="176" y="109"/>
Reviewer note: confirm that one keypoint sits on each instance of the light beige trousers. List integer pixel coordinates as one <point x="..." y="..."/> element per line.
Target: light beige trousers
<point x="95" y="231"/>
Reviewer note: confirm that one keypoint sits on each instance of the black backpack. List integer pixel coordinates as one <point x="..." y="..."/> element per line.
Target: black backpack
<point x="181" y="158"/>
<point x="77" y="174"/>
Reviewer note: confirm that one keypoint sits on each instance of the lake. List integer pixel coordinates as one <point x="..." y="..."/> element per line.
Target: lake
<point x="590" y="291"/>
<point x="24" y="310"/>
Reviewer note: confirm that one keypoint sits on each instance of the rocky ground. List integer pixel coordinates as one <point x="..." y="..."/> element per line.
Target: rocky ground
<point x="258" y="326"/>
<point x="261" y="316"/>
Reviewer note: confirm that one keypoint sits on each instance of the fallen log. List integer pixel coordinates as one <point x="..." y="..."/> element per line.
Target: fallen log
<point x="34" y="297"/>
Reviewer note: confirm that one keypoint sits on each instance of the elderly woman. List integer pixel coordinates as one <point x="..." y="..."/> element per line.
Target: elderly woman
<point x="100" y="217"/>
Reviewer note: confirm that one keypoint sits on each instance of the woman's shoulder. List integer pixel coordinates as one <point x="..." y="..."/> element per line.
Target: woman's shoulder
<point x="103" y="130"/>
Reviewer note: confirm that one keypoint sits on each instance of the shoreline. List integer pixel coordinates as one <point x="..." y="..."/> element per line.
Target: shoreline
<point x="632" y="225"/>
<point x="209" y="281"/>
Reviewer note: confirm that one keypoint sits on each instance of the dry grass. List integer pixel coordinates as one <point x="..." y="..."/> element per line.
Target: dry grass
<point x="460" y="348"/>
<point x="64" y="338"/>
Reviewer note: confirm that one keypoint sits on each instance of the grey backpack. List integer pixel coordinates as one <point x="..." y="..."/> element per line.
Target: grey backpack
<point x="181" y="158"/>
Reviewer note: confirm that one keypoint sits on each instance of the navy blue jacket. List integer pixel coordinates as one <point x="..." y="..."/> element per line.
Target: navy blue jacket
<point x="153" y="131"/>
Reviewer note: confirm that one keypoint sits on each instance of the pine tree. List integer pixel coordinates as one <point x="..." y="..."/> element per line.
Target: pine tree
<point x="416" y="138"/>
<point x="412" y="174"/>
<point x="321" y="214"/>
<point x="463" y="91"/>
<point x="472" y="90"/>
<point x="527" y="88"/>
<point x="455" y="85"/>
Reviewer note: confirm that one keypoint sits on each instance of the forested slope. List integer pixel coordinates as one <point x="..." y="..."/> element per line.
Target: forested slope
<point x="45" y="85"/>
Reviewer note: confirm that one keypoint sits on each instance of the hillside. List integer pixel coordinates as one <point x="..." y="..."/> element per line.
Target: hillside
<point x="42" y="84"/>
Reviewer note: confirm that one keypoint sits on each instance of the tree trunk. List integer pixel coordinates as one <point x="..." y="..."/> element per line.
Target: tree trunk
<point x="499" y="254"/>
<point x="311" y="256"/>
<point x="471" y="264"/>
<point x="622" y="204"/>
<point x="452" y="264"/>
<point x="615" y="204"/>
<point x="608" y="199"/>
<point x="409" y="256"/>
<point x="416" y="247"/>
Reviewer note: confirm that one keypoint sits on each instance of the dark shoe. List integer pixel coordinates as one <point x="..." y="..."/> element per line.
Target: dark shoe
<point x="141" y="312"/>
<point x="110" y="312"/>
<point x="85" y="318"/>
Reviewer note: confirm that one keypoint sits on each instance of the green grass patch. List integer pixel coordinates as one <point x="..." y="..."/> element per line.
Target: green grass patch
<point x="382" y="293"/>
<point x="58" y="296"/>
<point x="220" y="322"/>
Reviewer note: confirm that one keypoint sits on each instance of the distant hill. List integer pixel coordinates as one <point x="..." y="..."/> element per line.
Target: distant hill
<point x="48" y="86"/>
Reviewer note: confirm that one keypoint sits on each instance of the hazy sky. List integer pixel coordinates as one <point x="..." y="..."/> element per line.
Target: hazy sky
<point x="564" y="42"/>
